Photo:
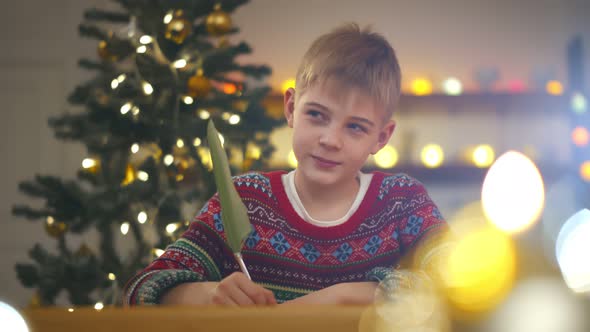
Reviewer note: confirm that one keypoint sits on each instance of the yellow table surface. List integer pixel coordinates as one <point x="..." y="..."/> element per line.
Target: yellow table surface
<point x="323" y="318"/>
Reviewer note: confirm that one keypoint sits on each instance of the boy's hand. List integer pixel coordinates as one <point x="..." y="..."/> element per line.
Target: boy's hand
<point x="237" y="289"/>
<point x="358" y="293"/>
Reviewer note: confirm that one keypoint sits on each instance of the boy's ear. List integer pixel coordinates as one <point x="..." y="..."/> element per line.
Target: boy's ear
<point x="384" y="136"/>
<point x="289" y="106"/>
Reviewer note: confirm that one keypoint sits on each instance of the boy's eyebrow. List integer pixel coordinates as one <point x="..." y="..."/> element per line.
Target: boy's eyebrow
<point x="324" y="108"/>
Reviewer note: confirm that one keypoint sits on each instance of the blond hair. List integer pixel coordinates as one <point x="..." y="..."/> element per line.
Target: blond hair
<point x="357" y="58"/>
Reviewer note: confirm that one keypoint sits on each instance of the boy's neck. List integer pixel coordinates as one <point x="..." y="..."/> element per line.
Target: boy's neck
<point x="326" y="202"/>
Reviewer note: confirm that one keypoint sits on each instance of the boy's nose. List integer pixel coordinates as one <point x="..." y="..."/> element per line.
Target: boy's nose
<point x="331" y="139"/>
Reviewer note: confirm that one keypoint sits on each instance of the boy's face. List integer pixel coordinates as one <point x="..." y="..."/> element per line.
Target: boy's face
<point x="335" y="129"/>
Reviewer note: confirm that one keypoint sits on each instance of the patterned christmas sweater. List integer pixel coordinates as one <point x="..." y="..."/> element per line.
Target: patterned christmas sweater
<point x="288" y="255"/>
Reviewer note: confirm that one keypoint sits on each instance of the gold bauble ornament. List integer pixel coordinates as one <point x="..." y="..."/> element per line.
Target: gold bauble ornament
<point x="218" y="22"/>
<point x="179" y="28"/>
<point x="55" y="228"/>
<point x="103" y="51"/>
<point x="130" y="175"/>
<point x="35" y="301"/>
<point x="83" y="251"/>
<point x="198" y="85"/>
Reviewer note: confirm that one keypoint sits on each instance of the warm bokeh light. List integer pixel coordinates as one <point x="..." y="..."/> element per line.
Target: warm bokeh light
<point x="554" y="88"/>
<point x="578" y="103"/>
<point x="234" y="119"/>
<point x="387" y="157"/>
<point x="452" y="86"/>
<point x="180" y="63"/>
<point x="580" y="136"/>
<point x="516" y="86"/>
<point x="125" y="228"/>
<point x="99" y="306"/>
<point x="253" y="152"/>
<point x="147" y="88"/>
<point x="168" y="159"/>
<point x="88" y="163"/>
<point x="197" y="142"/>
<point x="572" y="249"/>
<point x="287" y="84"/>
<point x="292" y="160"/>
<point x="142" y="217"/>
<point x="540" y="304"/>
<point x="483" y="156"/>
<point x="171" y="228"/>
<point x="180" y="143"/>
<point x="229" y="88"/>
<point x="480" y="271"/>
<point x="585" y="171"/>
<point x="513" y="193"/>
<point x="205" y="155"/>
<point x="112" y="277"/>
<point x="421" y="87"/>
<point x="204" y="114"/>
<point x="432" y="155"/>
<point x="11" y="319"/>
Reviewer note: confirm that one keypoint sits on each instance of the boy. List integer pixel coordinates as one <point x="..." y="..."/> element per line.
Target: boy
<point x="325" y="232"/>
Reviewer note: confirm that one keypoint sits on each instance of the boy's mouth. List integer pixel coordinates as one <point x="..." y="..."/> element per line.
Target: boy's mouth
<point x="325" y="162"/>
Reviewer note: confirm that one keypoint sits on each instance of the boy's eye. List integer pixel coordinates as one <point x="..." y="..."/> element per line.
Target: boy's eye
<point x="357" y="128"/>
<point x="315" y="114"/>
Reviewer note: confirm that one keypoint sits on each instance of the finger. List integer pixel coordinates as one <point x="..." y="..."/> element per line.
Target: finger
<point x="255" y="292"/>
<point x="221" y="299"/>
<point x="239" y="296"/>
<point x="270" y="297"/>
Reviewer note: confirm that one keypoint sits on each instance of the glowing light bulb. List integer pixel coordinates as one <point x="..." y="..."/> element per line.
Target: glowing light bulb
<point x="421" y="87"/>
<point x="234" y="119"/>
<point x="143" y="176"/>
<point x="585" y="171"/>
<point x="188" y="100"/>
<point x="142" y="217"/>
<point x="12" y="319"/>
<point x="571" y="249"/>
<point x="387" y="157"/>
<point x="98" y="306"/>
<point x="483" y="156"/>
<point x="168" y="159"/>
<point x="287" y="84"/>
<point x="580" y="136"/>
<point x="125" y="228"/>
<point x="168" y="17"/>
<point x="147" y="88"/>
<point x="134" y="148"/>
<point x="180" y="143"/>
<point x="432" y="156"/>
<point x="578" y="103"/>
<point x="180" y="63"/>
<point x="145" y="39"/>
<point x="554" y="88"/>
<point x="141" y="49"/>
<point x="88" y="163"/>
<point x="452" y="86"/>
<point x="112" y="277"/>
<point x="171" y="228"/>
<point x="204" y="115"/>
<point x="197" y="141"/>
<point x="126" y="108"/>
<point x="513" y="194"/>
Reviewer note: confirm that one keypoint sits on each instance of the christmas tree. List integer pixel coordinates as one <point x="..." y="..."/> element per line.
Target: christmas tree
<point x="163" y="69"/>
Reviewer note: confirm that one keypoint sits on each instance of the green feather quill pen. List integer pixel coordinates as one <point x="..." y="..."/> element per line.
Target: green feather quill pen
<point x="234" y="215"/>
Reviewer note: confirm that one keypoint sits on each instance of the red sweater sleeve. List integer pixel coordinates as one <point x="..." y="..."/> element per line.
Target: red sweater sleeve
<point x="200" y="254"/>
